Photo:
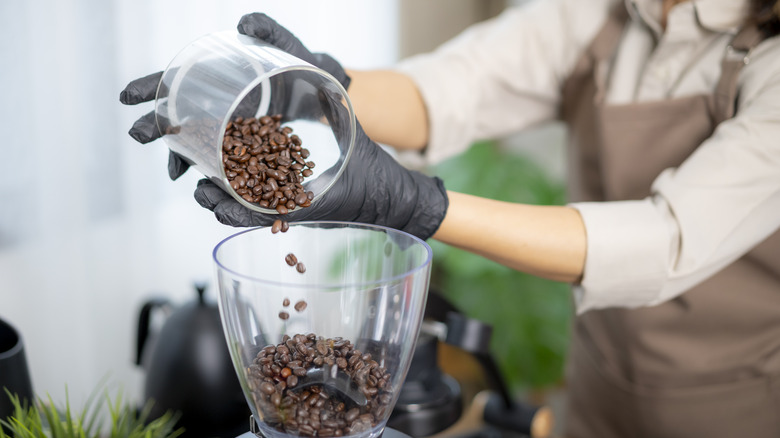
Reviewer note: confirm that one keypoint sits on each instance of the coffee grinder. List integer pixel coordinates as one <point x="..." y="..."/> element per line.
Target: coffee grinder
<point x="347" y="347"/>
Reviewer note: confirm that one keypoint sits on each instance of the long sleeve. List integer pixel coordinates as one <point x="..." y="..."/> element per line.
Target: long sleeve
<point x="504" y="74"/>
<point x="720" y="203"/>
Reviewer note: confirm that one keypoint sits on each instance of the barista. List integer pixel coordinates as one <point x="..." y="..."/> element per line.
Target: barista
<point x="671" y="241"/>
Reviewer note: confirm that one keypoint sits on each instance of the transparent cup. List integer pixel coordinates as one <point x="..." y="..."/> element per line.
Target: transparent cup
<point x="225" y="75"/>
<point x="364" y="289"/>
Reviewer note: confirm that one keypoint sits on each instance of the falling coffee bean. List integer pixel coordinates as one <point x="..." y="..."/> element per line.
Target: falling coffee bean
<point x="284" y="315"/>
<point x="286" y="302"/>
<point x="300" y="267"/>
<point x="300" y="306"/>
<point x="276" y="226"/>
<point x="291" y="259"/>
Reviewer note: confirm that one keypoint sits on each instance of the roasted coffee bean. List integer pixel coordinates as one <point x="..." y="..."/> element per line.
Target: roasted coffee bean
<point x="267" y="388"/>
<point x="291" y="260"/>
<point x="284" y="315"/>
<point x="300" y="306"/>
<point x="301" y="198"/>
<point x="286" y="301"/>
<point x="285" y="226"/>
<point x="351" y="415"/>
<point x="276" y="226"/>
<point x="300" y="267"/>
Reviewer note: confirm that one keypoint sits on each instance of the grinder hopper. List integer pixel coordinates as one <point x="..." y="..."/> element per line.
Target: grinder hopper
<point x="324" y="351"/>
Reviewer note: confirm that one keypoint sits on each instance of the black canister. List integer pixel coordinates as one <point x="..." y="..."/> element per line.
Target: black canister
<point x="14" y="374"/>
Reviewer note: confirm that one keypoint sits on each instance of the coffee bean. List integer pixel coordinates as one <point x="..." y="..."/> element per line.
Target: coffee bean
<point x="267" y="388"/>
<point x="301" y="198"/>
<point x="276" y="226"/>
<point x="284" y="315"/>
<point x="351" y="415"/>
<point x="300" y="306"/>
<point x="285" y="226"/>
<point x="300" y="267"/>
<point x="286" y="301"/>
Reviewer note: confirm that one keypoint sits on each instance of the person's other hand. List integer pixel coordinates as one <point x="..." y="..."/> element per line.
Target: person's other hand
<point x="258" y="25"/>
<point x="374" y="188"/>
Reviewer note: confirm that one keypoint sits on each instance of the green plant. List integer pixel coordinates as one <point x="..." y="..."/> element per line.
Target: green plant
<point x="530" y="316"/>
<point x="45" y="419"/>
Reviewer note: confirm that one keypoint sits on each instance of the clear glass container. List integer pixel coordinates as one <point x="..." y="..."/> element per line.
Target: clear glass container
<point x="225" y="75"/>
<point x="337" y="361"/>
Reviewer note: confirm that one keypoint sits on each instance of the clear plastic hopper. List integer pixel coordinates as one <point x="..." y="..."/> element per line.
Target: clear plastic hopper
<point x="322" y="348"/>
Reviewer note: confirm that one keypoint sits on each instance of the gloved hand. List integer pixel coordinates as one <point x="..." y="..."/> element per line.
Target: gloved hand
<point x="374" y="188"/>
<point x="258" y="25"/>
<point x="264" y="28"/>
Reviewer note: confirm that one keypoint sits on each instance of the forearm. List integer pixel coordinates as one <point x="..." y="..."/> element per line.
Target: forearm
<point x="546" y="241"/>
<point x="390" y="108"/>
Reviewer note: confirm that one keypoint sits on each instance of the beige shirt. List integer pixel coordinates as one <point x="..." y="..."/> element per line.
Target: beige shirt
<point x="505" y="74"/>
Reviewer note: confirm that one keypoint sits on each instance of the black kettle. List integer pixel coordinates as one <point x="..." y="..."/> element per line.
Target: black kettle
<point x="189" y="370"/>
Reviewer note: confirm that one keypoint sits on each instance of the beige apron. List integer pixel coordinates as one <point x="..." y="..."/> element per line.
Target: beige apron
<point x="706" y="364"/>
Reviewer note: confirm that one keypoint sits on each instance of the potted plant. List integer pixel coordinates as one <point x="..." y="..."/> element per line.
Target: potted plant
<point x="101" y="417"/>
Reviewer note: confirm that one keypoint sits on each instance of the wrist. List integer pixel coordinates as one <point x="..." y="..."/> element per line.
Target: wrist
<point x="430" y="209"/>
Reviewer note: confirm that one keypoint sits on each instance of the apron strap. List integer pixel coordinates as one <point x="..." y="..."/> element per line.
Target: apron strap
<point x="606" y="41"/>
<point x="737" y="56"/>
<point x="601" y="48"/>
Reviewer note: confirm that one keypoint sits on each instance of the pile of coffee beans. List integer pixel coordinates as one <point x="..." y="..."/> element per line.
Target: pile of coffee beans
<point x="266" y="164"/>
<point x="277" y="380"/>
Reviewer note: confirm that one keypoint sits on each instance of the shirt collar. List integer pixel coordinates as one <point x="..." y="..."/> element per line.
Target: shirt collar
<point x="715" y="15"/>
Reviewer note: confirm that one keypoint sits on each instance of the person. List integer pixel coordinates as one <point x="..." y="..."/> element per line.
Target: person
<point x="671" y="238"/>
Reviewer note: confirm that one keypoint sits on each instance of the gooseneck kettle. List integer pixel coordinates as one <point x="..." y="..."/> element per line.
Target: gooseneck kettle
<point x="189" y="370"/>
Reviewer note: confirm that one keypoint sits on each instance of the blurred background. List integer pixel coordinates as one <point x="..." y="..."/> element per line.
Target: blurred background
<point x="91" y="226"/>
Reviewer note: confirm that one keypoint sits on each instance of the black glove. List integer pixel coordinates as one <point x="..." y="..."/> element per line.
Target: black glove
<point x="374" y="188"/>
<point x="258" y="25"/>
<point x="264" y="28"/>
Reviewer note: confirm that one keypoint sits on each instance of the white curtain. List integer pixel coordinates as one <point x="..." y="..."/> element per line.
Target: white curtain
<point x="90" y="225"/>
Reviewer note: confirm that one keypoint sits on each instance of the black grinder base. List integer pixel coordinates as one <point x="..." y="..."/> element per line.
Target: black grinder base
<point x="430" y="401"/>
